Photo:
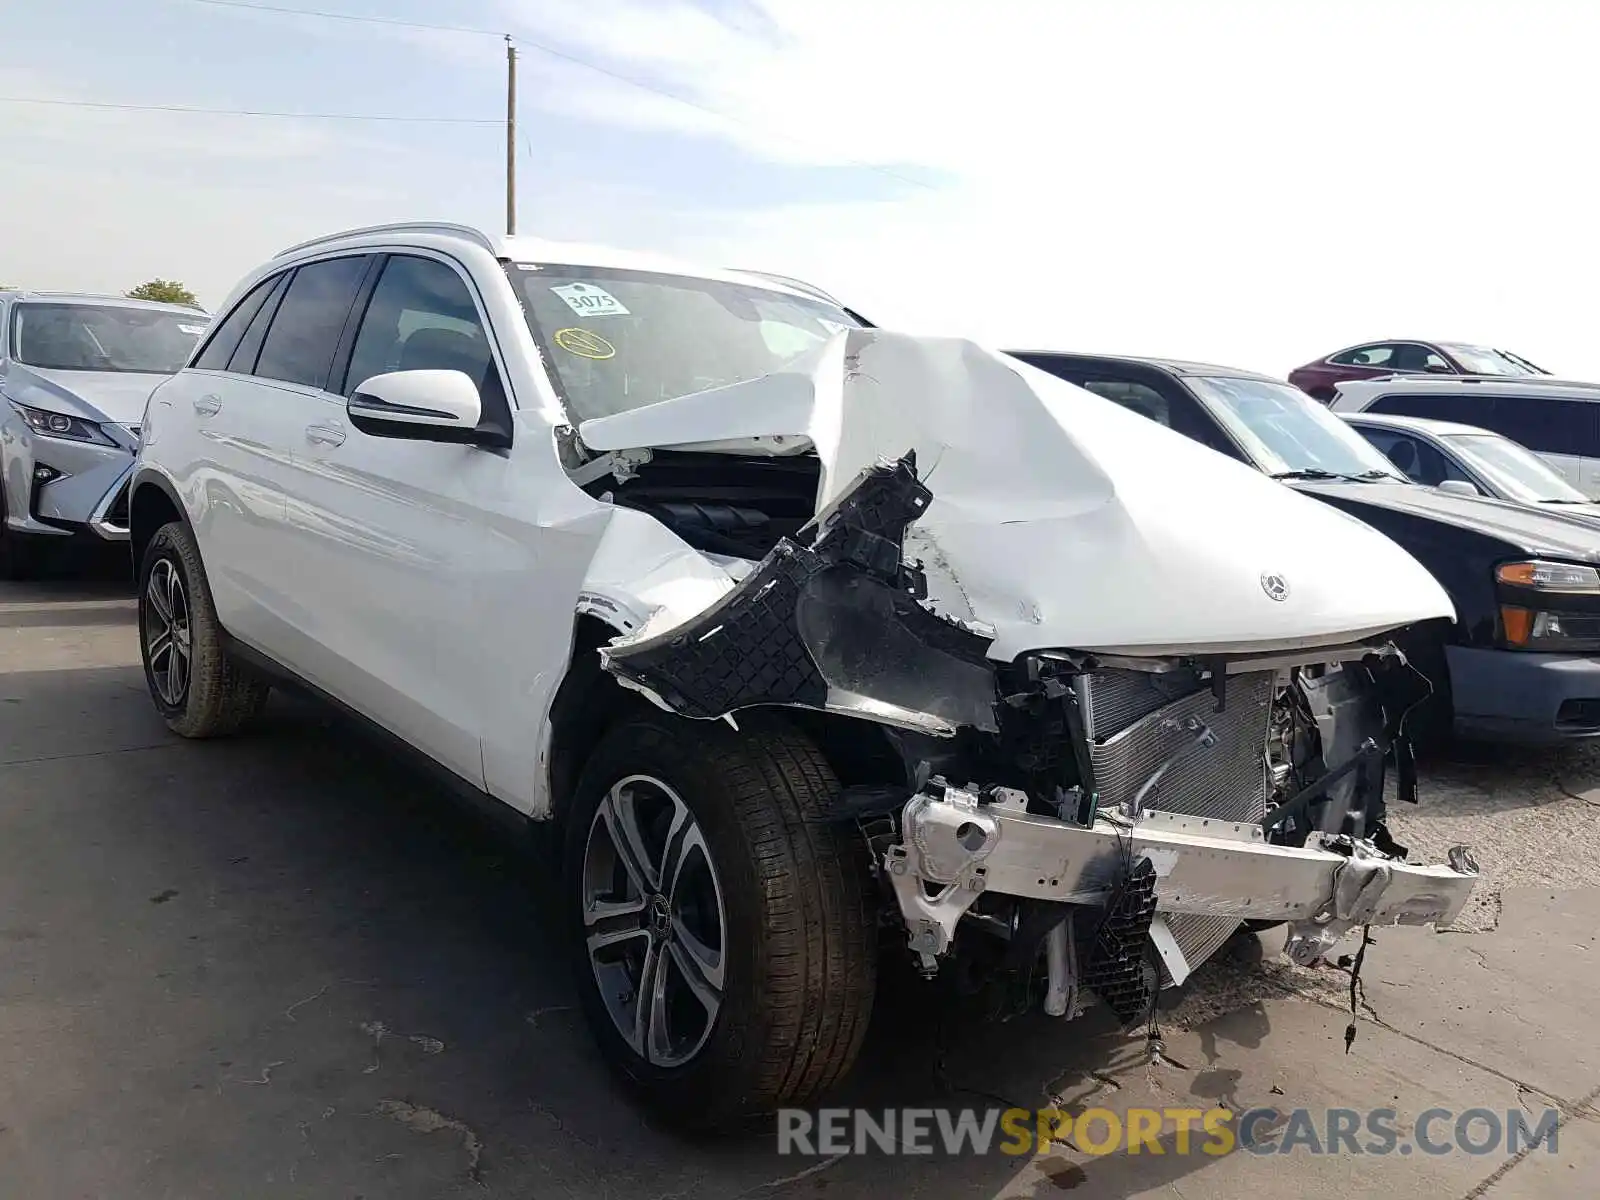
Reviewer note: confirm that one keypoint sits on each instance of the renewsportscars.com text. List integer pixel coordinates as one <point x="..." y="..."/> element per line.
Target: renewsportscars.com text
<point x="1177" y="1131"/>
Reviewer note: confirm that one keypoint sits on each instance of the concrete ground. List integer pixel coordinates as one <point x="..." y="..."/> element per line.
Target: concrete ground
<point x="284" y="966"/>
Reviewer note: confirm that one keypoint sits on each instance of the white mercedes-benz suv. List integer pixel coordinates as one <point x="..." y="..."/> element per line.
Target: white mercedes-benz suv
<point x="817" y="642"/>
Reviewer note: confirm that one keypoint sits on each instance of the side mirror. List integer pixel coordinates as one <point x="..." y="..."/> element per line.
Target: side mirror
<point x="1434" y="368"/>
<point x="1459" y="487"/>
<point x="422" y="406"/>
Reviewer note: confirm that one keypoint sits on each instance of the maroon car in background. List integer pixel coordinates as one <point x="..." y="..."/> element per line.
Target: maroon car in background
<point x="1398" y="357"/>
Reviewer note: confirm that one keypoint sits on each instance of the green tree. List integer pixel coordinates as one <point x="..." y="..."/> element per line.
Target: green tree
<point x="168" y="291"/>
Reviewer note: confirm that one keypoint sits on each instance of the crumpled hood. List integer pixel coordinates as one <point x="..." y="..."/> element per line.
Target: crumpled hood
<point x="1058" y="518"/>
<point x="99" y="396"/>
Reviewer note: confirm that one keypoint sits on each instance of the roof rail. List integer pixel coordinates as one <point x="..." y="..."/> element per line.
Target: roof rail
<point x="467" y="231"/>
<point x="798" y="285"/>
<point x="1518" y="380"/>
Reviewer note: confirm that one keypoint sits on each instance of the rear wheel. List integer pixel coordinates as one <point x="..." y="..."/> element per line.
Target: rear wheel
<point x="719" y="928"/>
<point x="198" y="686"/>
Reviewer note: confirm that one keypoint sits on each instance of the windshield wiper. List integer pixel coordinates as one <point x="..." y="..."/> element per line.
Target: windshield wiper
<point x="1319" y="473"/>
<point x="1566" y="502"/>
<point x="1307" y="473"/>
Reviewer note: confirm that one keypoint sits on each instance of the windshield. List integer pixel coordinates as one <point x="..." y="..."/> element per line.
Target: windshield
<point x="1480" y="360"/>
<point x="1518" y="473"/>
<point x="619" y="340"/>
<point x="1284" y="430"/>
<point x="104" y="337"/>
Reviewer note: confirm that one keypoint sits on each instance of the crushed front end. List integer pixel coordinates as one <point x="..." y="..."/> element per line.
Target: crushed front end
<point x="1117" y="817"/>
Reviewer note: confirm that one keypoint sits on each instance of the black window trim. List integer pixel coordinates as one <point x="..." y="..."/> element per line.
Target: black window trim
<point x="345" y="346"/>
<point x="267" y="314"/>
<point x="219" y="324"/>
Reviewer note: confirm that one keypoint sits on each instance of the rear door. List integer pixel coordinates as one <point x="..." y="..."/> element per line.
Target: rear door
<point x="264" y="404"/>
<point x="204" y="427"/>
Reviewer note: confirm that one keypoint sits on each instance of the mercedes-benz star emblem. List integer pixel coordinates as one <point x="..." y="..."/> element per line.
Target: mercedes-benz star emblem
<point x="1275" y="586"/>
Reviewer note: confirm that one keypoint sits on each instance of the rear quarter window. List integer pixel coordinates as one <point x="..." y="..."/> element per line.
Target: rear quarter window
<point x="1548" y="424"/>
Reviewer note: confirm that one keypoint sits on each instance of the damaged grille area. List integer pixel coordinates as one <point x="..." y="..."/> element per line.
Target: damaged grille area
<point x="1224" y="781"/>
<point x="1115" y="967"/>
<point x="1138" y="728"/>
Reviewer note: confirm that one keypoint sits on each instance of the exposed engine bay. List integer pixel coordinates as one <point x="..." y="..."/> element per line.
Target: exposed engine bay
<point x="1115" y="815"/>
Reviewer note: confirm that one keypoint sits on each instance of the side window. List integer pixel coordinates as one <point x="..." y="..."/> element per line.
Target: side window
<point x="1468" y="409"/>
<point x="1139" y="397"/>
<point x="1413" y="357"/>
<point x="229" y="331"/>
<point x="1366" y="356"/>
<point x="422" y="317"/>
<point x="1174" y="408"/>
<point x="1549" y="425"/>
<point x="243" y="361"/>
<point x="1420" y="461"/>
<point x="1545" y="424"/>
<point x="305" y="331"/>
<point x="1396" y="447"/>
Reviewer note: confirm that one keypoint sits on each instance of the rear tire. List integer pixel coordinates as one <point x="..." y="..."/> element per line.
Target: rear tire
<point x="199" y="688"/>
<point x="734" y="818"/>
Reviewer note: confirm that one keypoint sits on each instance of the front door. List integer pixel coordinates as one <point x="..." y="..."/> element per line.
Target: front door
<point x="393" y="536"/>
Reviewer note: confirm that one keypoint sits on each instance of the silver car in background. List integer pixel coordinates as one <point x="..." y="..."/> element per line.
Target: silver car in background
<point x="75" y="372"/>
<point x="1472" y="461"/>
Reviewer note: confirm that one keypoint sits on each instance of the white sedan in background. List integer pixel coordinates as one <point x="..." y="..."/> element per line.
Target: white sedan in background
<point x="1464" y="458"/>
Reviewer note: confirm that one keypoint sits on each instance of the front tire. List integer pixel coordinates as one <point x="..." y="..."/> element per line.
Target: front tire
<point x="200" y="690"/>
<point x="718" y="925"/>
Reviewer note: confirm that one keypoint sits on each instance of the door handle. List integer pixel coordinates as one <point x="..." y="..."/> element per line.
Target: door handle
<point x="327" y="435"/>
<point x="208" y="405"/>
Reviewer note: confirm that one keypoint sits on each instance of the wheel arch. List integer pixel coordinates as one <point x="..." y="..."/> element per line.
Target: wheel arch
<point x="589" y="702"/>
<point x="152" y="503"/>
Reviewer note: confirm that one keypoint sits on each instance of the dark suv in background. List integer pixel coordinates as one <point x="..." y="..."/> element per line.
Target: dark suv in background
<point x="1522" y="661"/>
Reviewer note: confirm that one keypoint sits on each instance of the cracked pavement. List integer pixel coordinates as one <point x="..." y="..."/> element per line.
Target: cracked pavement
<point x="285" y="965"/>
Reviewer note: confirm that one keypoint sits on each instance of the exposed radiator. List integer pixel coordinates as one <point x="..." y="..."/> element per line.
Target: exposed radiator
<point x="1137" y="721"/>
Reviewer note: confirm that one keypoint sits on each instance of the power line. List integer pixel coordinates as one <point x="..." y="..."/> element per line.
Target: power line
<point x="339" y="16"/>
<point x="251" y="112"/>
<point x="553" y="52"/>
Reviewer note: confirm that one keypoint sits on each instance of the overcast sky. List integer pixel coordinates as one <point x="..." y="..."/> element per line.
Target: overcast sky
<point x="1255" y="183"/>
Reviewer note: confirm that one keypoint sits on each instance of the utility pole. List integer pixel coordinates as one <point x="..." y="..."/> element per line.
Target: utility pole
<point x="511" y="136"/>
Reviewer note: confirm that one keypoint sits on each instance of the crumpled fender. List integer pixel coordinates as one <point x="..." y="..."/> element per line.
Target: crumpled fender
<point x="831" y="622"/>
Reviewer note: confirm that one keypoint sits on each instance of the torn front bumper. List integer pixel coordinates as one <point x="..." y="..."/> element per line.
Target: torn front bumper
<point x="964" y="844"/>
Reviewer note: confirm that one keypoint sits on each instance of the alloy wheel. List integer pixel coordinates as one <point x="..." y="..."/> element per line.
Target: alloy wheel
<point x="654" y="921"/>
<point x="166" y="632"/>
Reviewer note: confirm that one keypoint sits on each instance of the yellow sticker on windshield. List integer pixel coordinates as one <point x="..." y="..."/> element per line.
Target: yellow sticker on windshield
<point x="584" y="344"/>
